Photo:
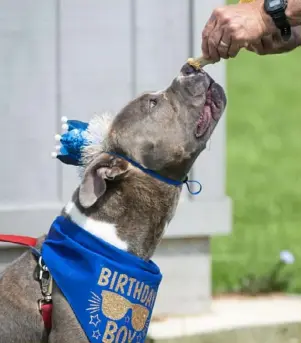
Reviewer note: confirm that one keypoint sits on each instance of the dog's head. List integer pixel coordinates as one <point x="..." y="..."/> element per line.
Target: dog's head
<point x="163" y="131"/>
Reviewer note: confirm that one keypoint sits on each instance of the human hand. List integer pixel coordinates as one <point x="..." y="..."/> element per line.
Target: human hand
<point x="274" y="44"/>
<point x="233" y="27"/>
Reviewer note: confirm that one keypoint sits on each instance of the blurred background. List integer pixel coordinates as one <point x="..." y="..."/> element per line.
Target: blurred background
<point x="263" y="168"/>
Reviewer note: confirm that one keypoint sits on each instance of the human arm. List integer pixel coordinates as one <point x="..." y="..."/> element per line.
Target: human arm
<point x="233" y="27"/>
<point x="274" y="44"/>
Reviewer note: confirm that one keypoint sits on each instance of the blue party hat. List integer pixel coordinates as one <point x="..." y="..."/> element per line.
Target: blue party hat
<point x="72" y="141"/>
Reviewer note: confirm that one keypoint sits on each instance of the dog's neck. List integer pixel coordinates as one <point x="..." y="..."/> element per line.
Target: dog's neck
<point x="100" y="229"/>
<point x="132" y="218"/>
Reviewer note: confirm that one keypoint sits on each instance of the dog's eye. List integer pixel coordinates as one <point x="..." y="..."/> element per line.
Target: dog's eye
<point x="153" y="103"/>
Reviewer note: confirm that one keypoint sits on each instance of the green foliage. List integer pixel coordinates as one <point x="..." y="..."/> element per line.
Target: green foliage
<point x="263" y="168"/>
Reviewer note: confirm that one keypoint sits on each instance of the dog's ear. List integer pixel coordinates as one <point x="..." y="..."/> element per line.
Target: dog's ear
<point x="104" y="168"/>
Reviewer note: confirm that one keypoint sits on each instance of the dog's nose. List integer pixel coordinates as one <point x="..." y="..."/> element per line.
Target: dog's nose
<point x="187" y="69"/>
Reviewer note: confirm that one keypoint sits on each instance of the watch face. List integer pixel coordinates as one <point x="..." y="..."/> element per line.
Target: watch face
<point x="275" y="5"/>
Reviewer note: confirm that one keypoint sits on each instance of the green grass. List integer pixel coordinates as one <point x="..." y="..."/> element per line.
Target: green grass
<point x="263" y="167"/>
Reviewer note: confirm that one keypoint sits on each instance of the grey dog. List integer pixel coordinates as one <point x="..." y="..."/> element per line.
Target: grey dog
<point x="164" y="131"/>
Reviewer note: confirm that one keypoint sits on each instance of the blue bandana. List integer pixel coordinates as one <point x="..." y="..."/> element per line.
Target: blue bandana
<point x="112" y="292"/>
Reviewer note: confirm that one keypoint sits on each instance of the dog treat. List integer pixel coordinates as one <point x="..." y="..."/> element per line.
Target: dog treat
<point x="198" y="63"/>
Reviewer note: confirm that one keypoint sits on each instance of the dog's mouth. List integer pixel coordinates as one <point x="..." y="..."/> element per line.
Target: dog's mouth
<point x="193" y="84"/>
<point x="212" y="109"/>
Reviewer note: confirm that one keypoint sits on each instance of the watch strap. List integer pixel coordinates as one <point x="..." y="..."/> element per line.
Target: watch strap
<point x="282" y="24"/>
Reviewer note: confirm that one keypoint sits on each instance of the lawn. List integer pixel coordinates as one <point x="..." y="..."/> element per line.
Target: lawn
<point x="263" y="167"/>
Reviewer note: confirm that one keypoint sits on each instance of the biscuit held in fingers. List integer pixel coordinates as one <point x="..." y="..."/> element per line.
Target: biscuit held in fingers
<point x="199" y="62"/>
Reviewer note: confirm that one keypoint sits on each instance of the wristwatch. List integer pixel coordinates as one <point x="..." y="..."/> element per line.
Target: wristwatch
<point x="276" y="10"/>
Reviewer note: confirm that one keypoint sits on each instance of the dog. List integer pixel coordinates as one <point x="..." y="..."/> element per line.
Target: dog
<point x="117" y="202"/>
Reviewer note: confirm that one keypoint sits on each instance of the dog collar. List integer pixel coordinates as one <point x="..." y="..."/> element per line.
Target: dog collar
<point x="111" y="292"/>
<point x="160" y="177"/>
<point x="75" y="139"/>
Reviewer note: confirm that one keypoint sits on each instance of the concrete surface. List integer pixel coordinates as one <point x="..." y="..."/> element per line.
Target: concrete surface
<point x="275" y="319"/>
<point x="186" y="267"/>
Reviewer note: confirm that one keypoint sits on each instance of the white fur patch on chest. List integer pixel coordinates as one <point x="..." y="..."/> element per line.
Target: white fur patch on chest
<point x="102" y="230"/>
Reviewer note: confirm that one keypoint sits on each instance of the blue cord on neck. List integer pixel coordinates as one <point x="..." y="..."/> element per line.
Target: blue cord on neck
<point x="187" y="182"/>
<point x="162" y="178"/>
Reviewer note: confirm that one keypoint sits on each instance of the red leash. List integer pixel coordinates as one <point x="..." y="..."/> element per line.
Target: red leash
<point x="22" y="240"/>
<point x="46" y="309"/>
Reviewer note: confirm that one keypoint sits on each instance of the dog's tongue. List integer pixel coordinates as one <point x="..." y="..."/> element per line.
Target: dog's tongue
<point x="204" y="121"/>
<point x="209" y="111"/>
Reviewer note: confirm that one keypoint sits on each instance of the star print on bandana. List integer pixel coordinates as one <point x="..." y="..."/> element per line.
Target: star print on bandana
<point x="94" y="320"/>
<point x="96" y="334"/>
